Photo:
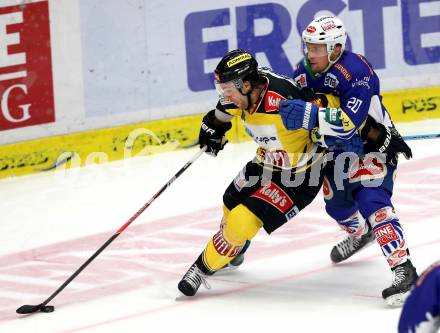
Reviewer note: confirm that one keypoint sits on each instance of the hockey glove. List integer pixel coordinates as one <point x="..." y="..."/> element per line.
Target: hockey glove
<point x="212" y="133"/>
<point x="297" y="114"/>
<point x="352" y="145"/>
<point x="388" y="141"/>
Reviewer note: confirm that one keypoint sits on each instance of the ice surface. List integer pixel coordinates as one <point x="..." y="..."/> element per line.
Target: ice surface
<point x="52" y="222"/>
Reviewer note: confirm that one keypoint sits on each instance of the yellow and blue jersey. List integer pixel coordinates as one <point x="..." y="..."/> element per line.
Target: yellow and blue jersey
<point x="354" y="81"/>
<point x="278" y="146"/>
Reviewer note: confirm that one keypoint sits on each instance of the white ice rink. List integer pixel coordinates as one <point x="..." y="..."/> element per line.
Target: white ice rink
<point x="51" y="223"/>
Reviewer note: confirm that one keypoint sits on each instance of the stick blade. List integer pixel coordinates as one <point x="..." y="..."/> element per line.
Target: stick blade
<point x="26" y="309"/>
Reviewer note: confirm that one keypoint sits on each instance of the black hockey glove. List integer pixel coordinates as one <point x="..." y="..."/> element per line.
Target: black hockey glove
<point x="388" y="141"/>
<point x="212" y="133"/>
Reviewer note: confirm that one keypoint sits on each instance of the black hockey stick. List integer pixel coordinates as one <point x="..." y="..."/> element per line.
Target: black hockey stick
<point x="43" y="307"/>
<point x="421" y="136"/>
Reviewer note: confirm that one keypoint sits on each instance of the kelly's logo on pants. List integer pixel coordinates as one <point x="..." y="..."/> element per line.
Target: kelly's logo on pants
<point x="273" y="194"/>
<point x="26" y="85"/>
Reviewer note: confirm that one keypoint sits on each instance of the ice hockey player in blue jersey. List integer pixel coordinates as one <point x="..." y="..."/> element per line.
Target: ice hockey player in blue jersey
<point x="364" y="212"/>
<point x="421" y="311"/>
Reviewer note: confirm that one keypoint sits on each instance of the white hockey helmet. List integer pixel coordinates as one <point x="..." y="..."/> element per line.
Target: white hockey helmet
<point x="328" y="30"/>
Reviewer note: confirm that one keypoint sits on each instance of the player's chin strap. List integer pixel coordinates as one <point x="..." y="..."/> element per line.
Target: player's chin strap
<point x="249" y="101"/>
<point x="248" y="95"/>
<point x="330" y="62"/>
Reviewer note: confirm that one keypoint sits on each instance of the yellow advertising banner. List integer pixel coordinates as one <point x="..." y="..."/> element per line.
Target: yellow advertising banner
<point x="110" y="144"/>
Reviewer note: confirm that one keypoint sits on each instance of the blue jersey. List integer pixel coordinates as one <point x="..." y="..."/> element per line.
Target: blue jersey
<point x="353" y="79"/>
<point x="421" y="312"/>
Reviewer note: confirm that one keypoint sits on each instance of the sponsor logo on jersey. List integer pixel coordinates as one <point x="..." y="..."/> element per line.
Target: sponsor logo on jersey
<point x="385" y="234"/>
<point x="344" y="71"/>
<point x="361" y="83"/>
<point x="368" y="168"/>
<point x="266" y="136"/>
<point x="333" y="116"/>
<point x="274" y="195"/>
<point x="265" y="139"/>
<point x="272" y="101"/>
<point x="311" y="29"/>
<point x="278" y="158"/>
<point x="327" y="189"/>
<point x="331" y="80"/>
<point x="301" y="80"/>
<point x="366" y="63"/>
<point x="238" y="59"/>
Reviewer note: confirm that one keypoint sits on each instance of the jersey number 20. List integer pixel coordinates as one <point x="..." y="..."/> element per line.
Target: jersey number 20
<point x="354" y="104"/>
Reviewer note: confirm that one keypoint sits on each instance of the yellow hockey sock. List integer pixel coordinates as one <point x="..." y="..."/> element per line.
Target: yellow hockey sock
<point x="239" y="225"/>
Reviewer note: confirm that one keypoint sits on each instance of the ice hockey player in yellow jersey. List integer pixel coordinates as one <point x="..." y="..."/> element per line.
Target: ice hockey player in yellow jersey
<point x="282" y="179"/>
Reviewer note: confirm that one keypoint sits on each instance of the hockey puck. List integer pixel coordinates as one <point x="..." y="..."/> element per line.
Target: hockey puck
<point x="48" y="308"/>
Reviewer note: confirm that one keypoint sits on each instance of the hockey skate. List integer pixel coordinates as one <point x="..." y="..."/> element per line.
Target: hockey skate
<point x="192" y="280"/>
<point x="350" y="245"/>
<point x="404" y="276"/>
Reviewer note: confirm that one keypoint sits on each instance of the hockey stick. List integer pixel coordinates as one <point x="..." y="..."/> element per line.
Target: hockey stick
<point x="43" y="307"/>
<point x="407" y="137"/>
<point x="421" y="136"/>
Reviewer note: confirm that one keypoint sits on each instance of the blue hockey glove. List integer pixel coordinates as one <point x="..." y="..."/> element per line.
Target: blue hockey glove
<point x="353" y="145"/>
<point x="298" y="114"/>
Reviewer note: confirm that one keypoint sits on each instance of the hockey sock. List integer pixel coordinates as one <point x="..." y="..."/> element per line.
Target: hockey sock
<point x="389" y="234"/>
<point x="240" y="225"/>
<point x="355" y="225"/>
